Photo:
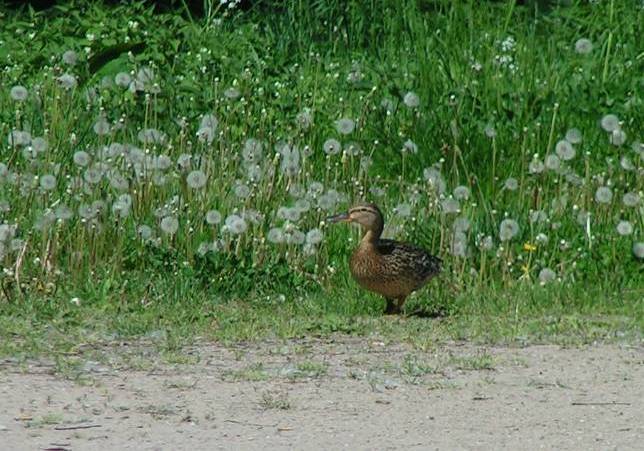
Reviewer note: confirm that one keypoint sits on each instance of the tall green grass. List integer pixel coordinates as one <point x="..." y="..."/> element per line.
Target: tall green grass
<point x="153" y="160"/>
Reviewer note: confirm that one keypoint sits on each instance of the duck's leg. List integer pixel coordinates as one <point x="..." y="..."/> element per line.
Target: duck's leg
<point x="394" y="306"/>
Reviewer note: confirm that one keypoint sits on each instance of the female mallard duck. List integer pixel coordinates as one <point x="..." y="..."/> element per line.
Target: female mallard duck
<point x="390" y="268"/>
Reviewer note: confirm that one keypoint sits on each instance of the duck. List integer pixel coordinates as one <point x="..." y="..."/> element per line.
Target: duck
<point x="390" y="268"/>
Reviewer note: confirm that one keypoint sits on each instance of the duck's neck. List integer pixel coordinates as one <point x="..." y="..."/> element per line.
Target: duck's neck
<point x="371" y="237"/>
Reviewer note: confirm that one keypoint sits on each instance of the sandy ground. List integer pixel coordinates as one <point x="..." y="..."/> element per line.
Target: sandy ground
<point x="327" y="394"/>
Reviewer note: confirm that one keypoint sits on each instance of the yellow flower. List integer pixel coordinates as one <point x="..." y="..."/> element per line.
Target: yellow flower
<point x="529" y="247"/>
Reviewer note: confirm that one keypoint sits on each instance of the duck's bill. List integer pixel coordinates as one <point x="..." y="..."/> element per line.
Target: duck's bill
<point x="342" y="217"/>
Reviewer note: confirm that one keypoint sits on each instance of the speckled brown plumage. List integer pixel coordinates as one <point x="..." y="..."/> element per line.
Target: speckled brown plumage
<point x="390" y="268"/>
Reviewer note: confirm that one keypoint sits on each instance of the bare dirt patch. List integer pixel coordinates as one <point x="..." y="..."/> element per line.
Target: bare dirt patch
<point x="357" y="393"/>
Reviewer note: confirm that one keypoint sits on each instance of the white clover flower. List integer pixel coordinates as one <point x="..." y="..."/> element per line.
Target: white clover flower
<point x="144" y="231"/>
<point x="19" y="93"/>
<point x="345" y="126"/>
<point x="435" y="179"/>
<point x="47" y="182"/>
<point x="169" y="225"/>
<point x="81" y="158"/>
<point x="196" y="179"/>
<point x="331" y="146"/>
<point x="610" y="122"/>
<point x="583" y="46"/>
<point x="624" y="228"/>
<point x="631" y="199"/>
<point x="236" y="224"/>
<point x="553" y="162"/>
<point x="508" y="229"/>
<point x="67" y="81"/>
<point x="461" y="192"/>
<point x="547" y="275"/>
<point x="617" y="137"/>
<point x="638" y="250"/>
<point x="70" y="58"/>
<point x="253" y="150"/>
<point x="213" y="217"/>
<point x="411" y="99"/>
<point x="450" y="205"/>
<point x="314" y="236"/>
<point x="102" y="127"/>
<point x="565" y="150"/>
<point x="409" y="146"/>
<point x="511" y="184"/>
<point x="275" y="235"/>
<point x="123" y="79"/>
<point x="603" y="195"/>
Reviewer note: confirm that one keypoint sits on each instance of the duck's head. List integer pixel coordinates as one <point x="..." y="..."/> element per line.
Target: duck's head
<point x="367" y="215"/>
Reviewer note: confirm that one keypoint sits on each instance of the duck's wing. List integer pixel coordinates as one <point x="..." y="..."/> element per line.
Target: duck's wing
<point x="409" y="259"/>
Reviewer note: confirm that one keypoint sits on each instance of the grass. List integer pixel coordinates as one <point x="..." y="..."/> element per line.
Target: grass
<point x="107" y="231"/>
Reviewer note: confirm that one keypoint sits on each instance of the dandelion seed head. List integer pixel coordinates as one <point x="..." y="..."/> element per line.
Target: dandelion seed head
<point x="450" y="205"/>
<point x="458" y="244"/>
<point x="213" y="217"/>
<point x="101" y="127"/>
<point x="331" y="146"/>
<point x="490" y="131"/>
<point x="508" y="229"/>
<point x="70" y="57"/>
<point x="538" y="216"/>
<point x="162" y="162"/>
<point x="461" y="224"/>
<point x="232" y="93"/>
<point x="617" y="137"/>
<point x="603" y="195"/>
<point x="304" y="119"/>
<point x="196" y="179"/>
<point x="511" y="184"/>
<point x="314" y="189"/>
<point x="19" y="93"/>
<point x="67" y="81"/>
<point x="435" y="179"/>
<point x="184" y="161"/>
<point x="638" y="250"/>
<point x="122" y="79"/>
<point x="275" y="235"/>
<point x="573" y="136"/>
<point x="242" y="190"/>
<point x="547" y="275"/>
<point x="236" y="224"/>
<point x="252" y="150"/>
<point x="486" y="243"/>
<point x="624" y="228"/>
<point x="295" y="236"/>
<point x="409" y="146"/>
<point x="345" y="126"/>
<point x="553" y="162"/>
<point x="63" y="212"/>
<point x="169" y="225"/>
<point x="541" y="238"/>
<point x="39" y="144"/>
<point x="388" y="105"/>
<point x="403" y="210"/>
<point x="583" y="46"/>
<point x="366" y="162"/>
<point x="461" y="192"/>
<point x="151" y="136"/>
<point x="47" y="182"/>
<point x="314" y="236"/>
<point x="19" y="138"/>
<point x="631" y="199"/>
<point x="144" y="231"/>
<point x="302" y="205"/>
<point x="352" y="149"/>
<point x="536" y="166"/>
<point x="610" y="122"/>
<point x="565" y="150"/>
<point x="411" y="100"/>
<point x="626" y="163"/>
<point x="583" y="217"/>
